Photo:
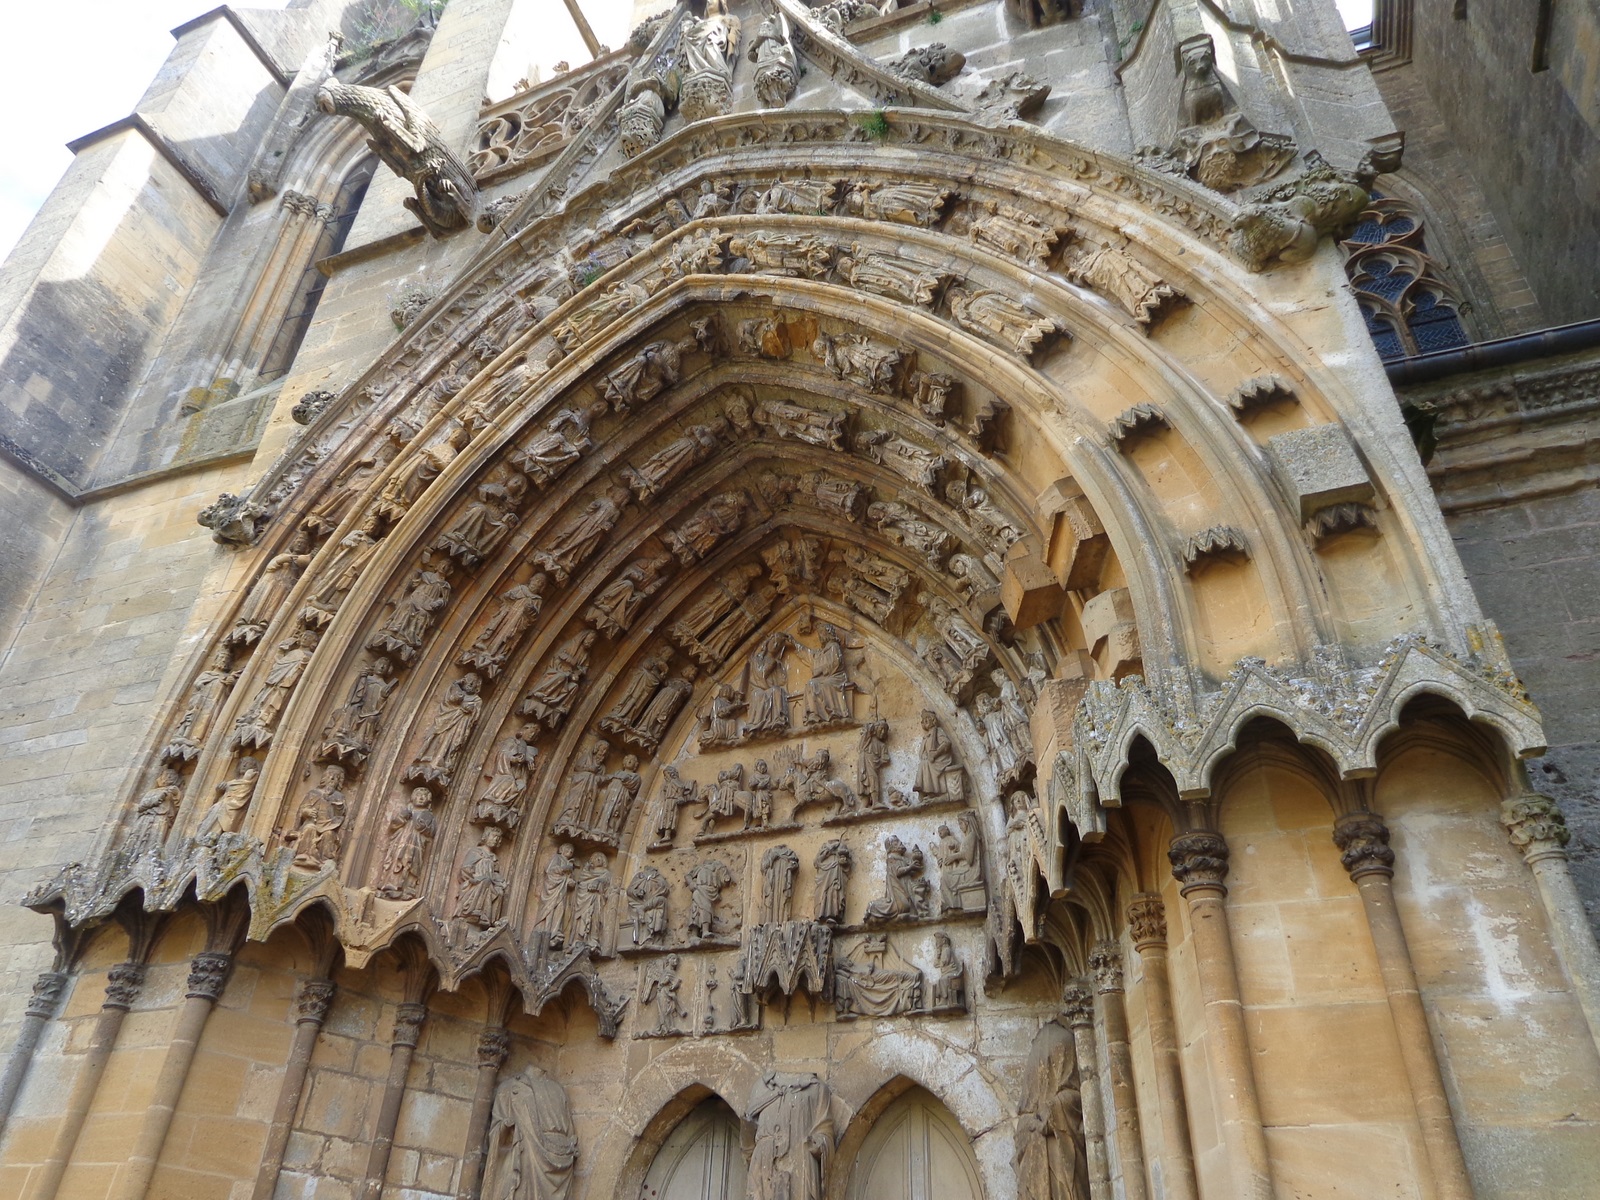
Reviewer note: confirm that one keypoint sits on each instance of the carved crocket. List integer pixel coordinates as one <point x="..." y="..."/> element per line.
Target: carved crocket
<point x="411" y="146"/>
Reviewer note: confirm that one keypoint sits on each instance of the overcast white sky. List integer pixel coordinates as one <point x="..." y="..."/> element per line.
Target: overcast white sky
<point x="71" y="66"/>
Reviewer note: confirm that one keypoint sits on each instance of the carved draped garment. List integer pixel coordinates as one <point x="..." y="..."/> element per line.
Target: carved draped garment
<point x="794" y="1137"/>
<point x="532" y="1144"/>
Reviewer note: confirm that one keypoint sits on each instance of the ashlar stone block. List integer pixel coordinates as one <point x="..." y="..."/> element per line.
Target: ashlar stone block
<point x="1319" y="467"/>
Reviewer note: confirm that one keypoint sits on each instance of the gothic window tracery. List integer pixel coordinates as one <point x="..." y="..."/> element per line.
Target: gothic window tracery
<point x="1409" y="306"/>
<point x="521" y="132"/>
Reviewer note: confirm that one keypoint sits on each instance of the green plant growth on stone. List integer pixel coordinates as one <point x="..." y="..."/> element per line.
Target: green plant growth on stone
<point x="876" y="124"/>
<point x="934" y="16"/>
<point x="1133" y="32"/>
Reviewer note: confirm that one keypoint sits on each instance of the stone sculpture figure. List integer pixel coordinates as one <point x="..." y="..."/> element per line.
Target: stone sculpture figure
<point x="619" y="298"/>
<point x="908" y="528"/>
<point x="778" y="867"/>
<point x="865" y="363"/>
<point x="947" y="989"/>
<point x="270" y="591"/>
<point x="660" y="988"/>
<point x="580" y="537"/>
<point x="672" y="460"/>
<point x="1014" y="714"/>
<point x="355" y="550"/>
<point x="714" y="603"/>
<point x="996" y="736"/>
<point x="671" y="696"/>
<point x="833" y="865"/>
<point x="550" y="699"/>
<point x="615" y="608"/>
<point x="904" y="457"/>
<point x="513" y="762"/>
<point x="210" y="689"/>
<point x="484" y="523"/>
<point x="996" y="316"/>
<point x="412" y="827"/>
<point x="718" y="645"/>
<point x="990" y="521"/>
<point x="1014" y="233"/>
<point x="960" y="858"/>
<point x="827" y="691"/>
<point x="640" y="119"/>
<point x="1217" y="144"/>
<point x="410" y="145"/>
<point x="483" y="888"/>
<point x="707" y="49"/>
<point x="555" y="896"/>
<point x="904" y="202"/>
<point x="802" y="197"/>
<point x="794" y="1137"/>
<point x="645" y="376"/>
<point x="355" y="724"/>
<point x="255" y="725"/>
<point x="867" y="985"/>
<point x="402" y="634"/>
<point x="722" y="720"/>
<point x="647" y="907"/>
<point x="621" y="790"/>
<point x="965" y="642"/>
<point x="934" y="64"/>
<point x="939" y="775"/>
<point x="872" y="756"/>
<point x="583" y="791"/>
<point x="401" y="490"/>
<point x="515" y="610"/>
<point x="776" y="72"/>
<point x="326" y="515"/>
<point x="814" y="783"/>
<point x="319" y="827"/>
<point x="713" y="521"/>
<point x="565" y="440"/>
<point x="758" y="792"/>
<point x="453" y="723"/>
<point x="152" y="816"/>
<point x="675" y="793"/>
<point x="769" y="685"/>
<point x="1048" y="1153"/>
<point x="591" y="885"/>
<point x="890" y="275"/>
<point x="797" y="255"/>
<point x="1117" y="275"/>
<point x="227" y="812"/>
<point x="905" y="891"/>
<point x="815" y="427"/>
<point x="532" y="1143"/>
<point x="722" y="799"/>
<point x="705" y="883"/>
<point x="642" y="685"/>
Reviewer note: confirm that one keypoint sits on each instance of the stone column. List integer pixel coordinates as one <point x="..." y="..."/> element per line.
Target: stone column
<point x="1078" y="1001"/>
<point x="122" y="987"/>
<point x="493" y="1044"/>
<point x="1538" y="828"/>
<point x="311" y="1010"/>
<point x="1363" y="841"/>
<point x="208" y="975"/>
<point x="1200" y="864"/>
<point x="1147" y="924"/>
<point x="1105" y="960"/>
<point x="41" y="1007"/>
<point x="408" y="1020"/>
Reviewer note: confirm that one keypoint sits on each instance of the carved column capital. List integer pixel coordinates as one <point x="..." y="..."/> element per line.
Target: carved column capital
<point x="1105" y="960"/>
<point x="493" y="1046"/>
<point x="46" y="995"/>
<point x="1199" y="861"/>
<point x="1363" y="841"/>
<point x="313" y="1001"/>
<point x="1147" y="921"/>
<point x="1077" y="1002"/>
<point x="123" y="982"/>
<point x="1537" y="827"/>
<point x="408" y="1020"/>
<point x="208" y="975"/>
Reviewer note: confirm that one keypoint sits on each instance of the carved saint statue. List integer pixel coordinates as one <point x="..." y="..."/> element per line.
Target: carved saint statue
<point x="646" y="375"/>
<point x="483" y="887"/>
<point x="705" y="883"/>
<point x="947" y="988"/>
<point x="875" y="981"/>
<point x="722" y="720"/>
<point x="907" y="203"/>
<point x="576" y="540"/>
<point x="675" y="793"/>
<point x="205" y="700"/>
<point x="642" y="684"/>
<point x="621" y="790"/>
<point x="706" y="50"/>
<point x="550" y="699"/>
<point x="905" y="891"/>
<point x="583" y="790"/>
<point x="938" y="772"/>
<point x="995" y="735"/>
<point x="516" y="608"/>
<point x="152" y="816"/>
<point x="513" y="761"/>
<point x="270" y="591"/>
<point x="227" y="812"/>
<point x="484" y="523"/>
<point x="671" y="696"/>
<point x="555" y="896"/>
<point x="778" y="867"/>
<point x="591" y="885"/>
<point x="967" y="643"/>
<point x="833" y="865"/>
<point x="758" y="796"/>
<point x="827" y="692"/>
<point x="412" y="827"/>
<point x="1005" y="321"/>
<point x="814" y="783"/>
<point x="672" y="460"/>
<point x="960" y="858"/>
<point x="564" y="440"/>
<point x="615" y="608"/>
<point x="872" y="756"/>
<point x="355" y="550"/>
<point x="769" y="685"/>
<point x="715" y="520"/>
<point x="354" y="727"/>
<point x="714" y="603"/>
<point x="402" y="489"/>
<point x="532" y="1143"/>
<point x="1049" y="1151"/>
<point x="647" y="907"/>
<point x="662" y="982"/>
<point x="815" y="427"/>
<point x="776" y="70"/>
<point x="319" y="828"/>
<point x="255" y="725"/>
<point x="413" y="615"/>
<point x="718" y="645"/>
<point x="410" y="145"/>
<point x="865" y="363"/>
<point x="453" y="723"/>
<point x="794" y="1137"/>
